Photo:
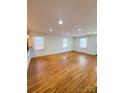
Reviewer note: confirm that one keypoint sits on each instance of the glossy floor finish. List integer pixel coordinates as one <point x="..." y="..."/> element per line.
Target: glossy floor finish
<point x="70" y="72"/>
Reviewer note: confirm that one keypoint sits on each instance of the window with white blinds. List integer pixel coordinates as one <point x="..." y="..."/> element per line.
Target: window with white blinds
<point x="38" y="43"/>
<point x="83" y="42"/>
<point x="65" y="42"/>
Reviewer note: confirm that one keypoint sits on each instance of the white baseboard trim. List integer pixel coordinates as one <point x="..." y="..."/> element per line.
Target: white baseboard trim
<point x="51" y="53"/>
<point x="85" y="52"/>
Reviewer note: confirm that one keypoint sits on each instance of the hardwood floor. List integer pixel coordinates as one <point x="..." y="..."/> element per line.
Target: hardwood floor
<point x="70" y="72"/>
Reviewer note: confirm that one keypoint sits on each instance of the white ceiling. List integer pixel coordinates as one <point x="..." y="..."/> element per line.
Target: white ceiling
<point x="45" y="14"/>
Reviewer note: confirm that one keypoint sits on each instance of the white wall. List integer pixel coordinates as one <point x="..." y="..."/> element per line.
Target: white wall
<point x="91" y="44"/>
<point x="29" y="56"/>
<point x="53" y="45"/>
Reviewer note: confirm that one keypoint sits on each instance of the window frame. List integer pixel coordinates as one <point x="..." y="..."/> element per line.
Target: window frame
<point x="42" y="44"/>
<point x="66" y="41"/>
<point x="84" y="40"/>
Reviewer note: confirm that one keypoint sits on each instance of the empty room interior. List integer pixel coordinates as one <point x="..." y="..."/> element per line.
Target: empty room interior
<point x="61" y="46"/>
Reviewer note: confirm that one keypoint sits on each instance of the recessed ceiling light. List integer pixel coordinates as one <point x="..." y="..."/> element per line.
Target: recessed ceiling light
<point x="51" y="30"/>
<point x="60" y="22"/>
<point x="88" y="33"/>
<point x="79" y="29"/>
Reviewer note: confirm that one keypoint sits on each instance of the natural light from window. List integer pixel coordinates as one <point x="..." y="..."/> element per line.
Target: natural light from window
<point x="65" y="42"/>
<point x="83" y="42"/>
<point x="38" y="43"/>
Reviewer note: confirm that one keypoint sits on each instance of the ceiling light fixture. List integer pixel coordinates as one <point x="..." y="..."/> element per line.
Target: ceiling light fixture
<point x="51" y="30"/>
<point x="79" y="29"/>
<point x="60" y="22"/>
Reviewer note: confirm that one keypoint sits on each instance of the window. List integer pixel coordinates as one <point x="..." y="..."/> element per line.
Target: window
<point x="83" y="42"/>
<point x="65" y="42"/>
<point x="38" y="43"/>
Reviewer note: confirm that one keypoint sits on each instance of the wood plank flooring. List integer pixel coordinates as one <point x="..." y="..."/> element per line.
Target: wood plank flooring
<point x="70" y="72"/>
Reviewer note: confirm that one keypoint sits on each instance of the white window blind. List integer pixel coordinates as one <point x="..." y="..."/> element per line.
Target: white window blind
<point x="38" y="43"/>
<point x="83" y="42"/>
<point x="65" y="42"/>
